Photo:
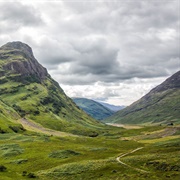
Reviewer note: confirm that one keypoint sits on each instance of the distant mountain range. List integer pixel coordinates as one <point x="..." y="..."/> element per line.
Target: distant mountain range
<point x="112" y="107"/>
<point x="28" y="92"/>
<point x="160" y="105"/>
<point x="93" y="108"/>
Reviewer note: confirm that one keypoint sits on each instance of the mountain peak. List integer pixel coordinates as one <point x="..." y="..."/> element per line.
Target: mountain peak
<point x="170" y="83"/>
<point x="18" y="58"/>
<point x="16" y="45"/>
<point x="20" y="46"/>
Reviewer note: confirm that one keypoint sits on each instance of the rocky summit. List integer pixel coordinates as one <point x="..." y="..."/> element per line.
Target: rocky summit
<point x="18" y="58"/>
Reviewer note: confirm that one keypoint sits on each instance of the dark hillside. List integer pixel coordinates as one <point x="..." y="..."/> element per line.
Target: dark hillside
<point x="160" y="105"/>
<point x="93" y="108"/>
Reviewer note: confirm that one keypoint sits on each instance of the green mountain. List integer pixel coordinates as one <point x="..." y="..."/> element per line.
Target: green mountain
<point x="93" y="108"/>
<point x="27" y="92"/>
<point x="160" y="105"/>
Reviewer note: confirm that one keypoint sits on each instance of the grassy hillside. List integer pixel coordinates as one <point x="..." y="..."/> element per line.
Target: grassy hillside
<point x="28" y="91"/>
<point x="161" y="105"/>
<point x="93" y="108"/>
<point x="8" y="119"/>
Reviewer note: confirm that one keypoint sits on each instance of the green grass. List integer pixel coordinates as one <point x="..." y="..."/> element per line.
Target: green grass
<point x="31" y="101"/>
<point x="63" y="154"/>
<point x="10" y="150"/>
<point x="52" y="158"/>
<point x="161" y="108"/>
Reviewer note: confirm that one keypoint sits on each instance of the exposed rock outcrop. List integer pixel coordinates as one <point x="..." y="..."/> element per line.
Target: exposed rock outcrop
<point x="20" y="60"/>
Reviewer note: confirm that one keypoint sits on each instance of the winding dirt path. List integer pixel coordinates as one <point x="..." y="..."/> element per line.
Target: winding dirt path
<point x="137" y="169"/>
<point x="32" y="126"/>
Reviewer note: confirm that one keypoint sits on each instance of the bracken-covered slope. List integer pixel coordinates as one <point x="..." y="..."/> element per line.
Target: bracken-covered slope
<point x="93" y="108"/>
<point x="160" y="105"/>
<point x="28" y="91"/>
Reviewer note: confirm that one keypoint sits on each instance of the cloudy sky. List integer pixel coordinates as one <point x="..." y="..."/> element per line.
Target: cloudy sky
<point x="113" y="51"/>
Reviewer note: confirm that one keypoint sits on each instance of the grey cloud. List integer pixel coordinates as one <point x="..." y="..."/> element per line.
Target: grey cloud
<point x="99" y="62"/>
<point x="14" y="15"/>
<point x="83" y="76"/>
<point x="110" y="42"/>
<point x="141" y="15"/>
<point x="80" y="7"/>
<point x="107" y="17"/>
<point x="87" y="79"/>
<point x="84" y="57"/>
<point x="52" y="52"/>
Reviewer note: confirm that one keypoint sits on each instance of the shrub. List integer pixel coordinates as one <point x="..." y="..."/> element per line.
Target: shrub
<point x="63" y="154"/>
<point x="25" y="97"/>
<point x="19" y="110"/>
<point x="36" y="113"/>
<point x="31" y="175"/>
<point x="14" y="128"/>
<point x="2" y="131"/>
<point x="17" y="129"/>
<point x="24" y="173"/>
<point x="2" y="81"/>
<point x="19" y="161"/>
<point x="2" y="168"/>
<point x="93" y="134"/>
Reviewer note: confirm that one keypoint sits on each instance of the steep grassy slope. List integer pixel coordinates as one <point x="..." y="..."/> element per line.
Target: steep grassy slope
<point x="8" y="119"/>
<point x="93" y="108"/>
<point x="160" y="105"/>
<point x="29" y="92"/>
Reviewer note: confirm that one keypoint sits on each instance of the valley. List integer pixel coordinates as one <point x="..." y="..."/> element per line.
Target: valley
<point x="49" y="157"/>
<point x="45" y="135"/>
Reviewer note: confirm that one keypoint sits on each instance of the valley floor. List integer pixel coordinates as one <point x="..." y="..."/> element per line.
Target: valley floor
<point x="145" y="153"/>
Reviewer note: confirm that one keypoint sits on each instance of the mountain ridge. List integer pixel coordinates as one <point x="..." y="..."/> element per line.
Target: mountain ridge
<point x="160" y="105"/>
<point x="93" y="108"/>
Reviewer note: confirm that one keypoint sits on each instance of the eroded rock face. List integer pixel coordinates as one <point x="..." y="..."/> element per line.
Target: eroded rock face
<point x="24" y="63"/>
<point x="170" y="83"/>
<point x="26" y="68"/>
<point x="22" y="47"/>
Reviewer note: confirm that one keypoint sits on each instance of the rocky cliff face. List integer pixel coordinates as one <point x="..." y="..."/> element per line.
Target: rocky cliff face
<point x="19" y="59"/>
